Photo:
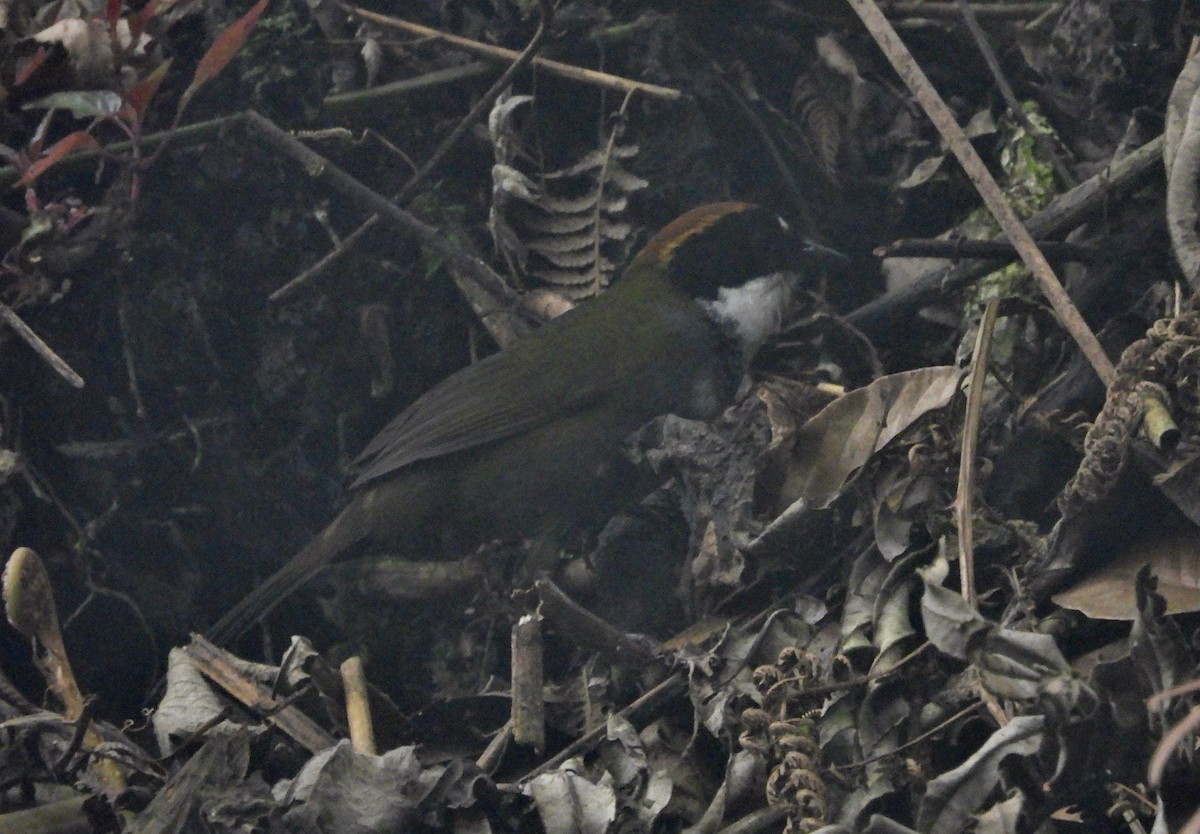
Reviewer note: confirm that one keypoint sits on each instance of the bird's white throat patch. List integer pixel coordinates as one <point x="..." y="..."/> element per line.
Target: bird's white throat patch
<point x="752" y="312"/>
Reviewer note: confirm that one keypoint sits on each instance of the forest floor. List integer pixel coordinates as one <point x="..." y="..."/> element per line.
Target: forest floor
<point x="937" y="569"/>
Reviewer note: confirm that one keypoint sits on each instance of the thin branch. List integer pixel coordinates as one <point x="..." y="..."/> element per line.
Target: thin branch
<point x="959" y="248"/>
<point x="338" y="107"/>
<point x="971" y="17"/>
<point x="665" y="691"/>
<point x="322" y="169"/>
<point x="914" y="77"/>
<point x="10" y="317"/>
<point x="932" y="731"/>
<point x="755" y="821"/>
<point x="593" y="633"/>
<point x="496" y="53"/>
<point x="888" y="314"/>
<point x="483" y="105"/>
<point x="343" y="247"/>
<point x="964" y="497"/>
<point x="991" y="11"/>
<point x="480" y="107"/>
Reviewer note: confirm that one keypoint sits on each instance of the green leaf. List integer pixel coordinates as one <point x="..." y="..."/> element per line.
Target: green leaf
<point x="83" y="104"/>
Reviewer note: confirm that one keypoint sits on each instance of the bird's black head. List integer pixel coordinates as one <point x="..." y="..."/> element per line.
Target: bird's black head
<point x="724" y="245"/>
<point x="740" y="262"/>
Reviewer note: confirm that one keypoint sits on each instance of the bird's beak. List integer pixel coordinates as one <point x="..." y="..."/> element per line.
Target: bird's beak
<point x="822" y="257"/>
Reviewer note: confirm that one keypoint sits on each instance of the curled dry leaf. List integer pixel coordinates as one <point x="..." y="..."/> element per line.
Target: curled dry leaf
<point x="570" y="804"/>
<point x="956" y="794"/>
<point x="836" y="443"/>
<point x="1109" y="593"/>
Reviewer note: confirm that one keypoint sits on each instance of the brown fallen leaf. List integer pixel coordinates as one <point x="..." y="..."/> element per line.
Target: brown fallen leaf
<point x="1108" y="594"/>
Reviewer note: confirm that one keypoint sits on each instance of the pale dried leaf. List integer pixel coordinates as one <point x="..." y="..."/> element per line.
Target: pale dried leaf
<point x="89" y="46"/>
<point x="624" y="180"/>
<point x="1001" y="818"/>
<point x="511" y="182"/>
<point x="1109" y="593"/>
<point x="569" y="804"/>
<point x="559" y="224"/>
<point x="187" y="705"/>
<point x="372" y="55"/>
<point x="838" y="441"/>
<point x="981" y="124"/>
<point x="564" y="279"/>
<point x="923" y="172"/>
<point x="563" y="243"/>
<point x="953" y="797"/>
<point x="578" y="259"/>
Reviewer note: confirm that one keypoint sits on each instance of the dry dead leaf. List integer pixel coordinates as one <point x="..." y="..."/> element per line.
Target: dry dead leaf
<point x="1108" y="594"/>
<point x="835" y="444"/>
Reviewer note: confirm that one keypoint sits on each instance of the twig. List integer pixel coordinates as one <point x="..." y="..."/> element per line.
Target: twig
<point x="528" y="696"/>
<point x="344" y="246"/>
<point x="755" y="821"/>
<point x="591" y="632"/>
<point x="489" y="759"/>
<point x="496" y="53"/>
<point x="850" y="683"/>
<point x="971" y="17"/>
<point x="481" y="106"/>
<point x="337" y="106"/>
<point x="131" y="376"/>
<point x="784" y="170"/>
<point x="321" y="168"/>
<point x="79" y="733"/>
<point x="344" y="105"/>
<point x="964" y="498"/>
<point x="888" y="315"/>
<point x="358" y="706"/>
<point x="959" y="248"/>
<point x="658" y="695"/>
<point x="993" y="11"/>
<point x="962" y="713"/>
<point x="913" y="76"/>
<point x="9" y="316"/>
<point x="1159" y="699"/>
<point x="185" y="747"/>
<point x="215" y="664"/>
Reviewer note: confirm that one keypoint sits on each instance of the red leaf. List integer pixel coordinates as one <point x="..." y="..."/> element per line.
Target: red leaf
<point x="138" y="97"/>
<point x="224" y="48"/>
<point x="68" y="144"/>
<point x="36" y="60"/>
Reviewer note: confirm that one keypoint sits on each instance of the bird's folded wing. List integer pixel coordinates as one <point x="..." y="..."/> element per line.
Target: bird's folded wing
<point x="476" y="406"/>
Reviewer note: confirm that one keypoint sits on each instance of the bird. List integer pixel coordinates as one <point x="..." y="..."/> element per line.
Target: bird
<point x="527" y="444"/>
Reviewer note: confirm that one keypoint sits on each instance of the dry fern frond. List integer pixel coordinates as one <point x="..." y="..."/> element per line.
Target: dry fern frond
<point x="565" y="227"/>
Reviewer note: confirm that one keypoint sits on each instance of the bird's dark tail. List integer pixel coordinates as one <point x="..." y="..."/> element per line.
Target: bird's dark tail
<point x="306" y="564"/>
